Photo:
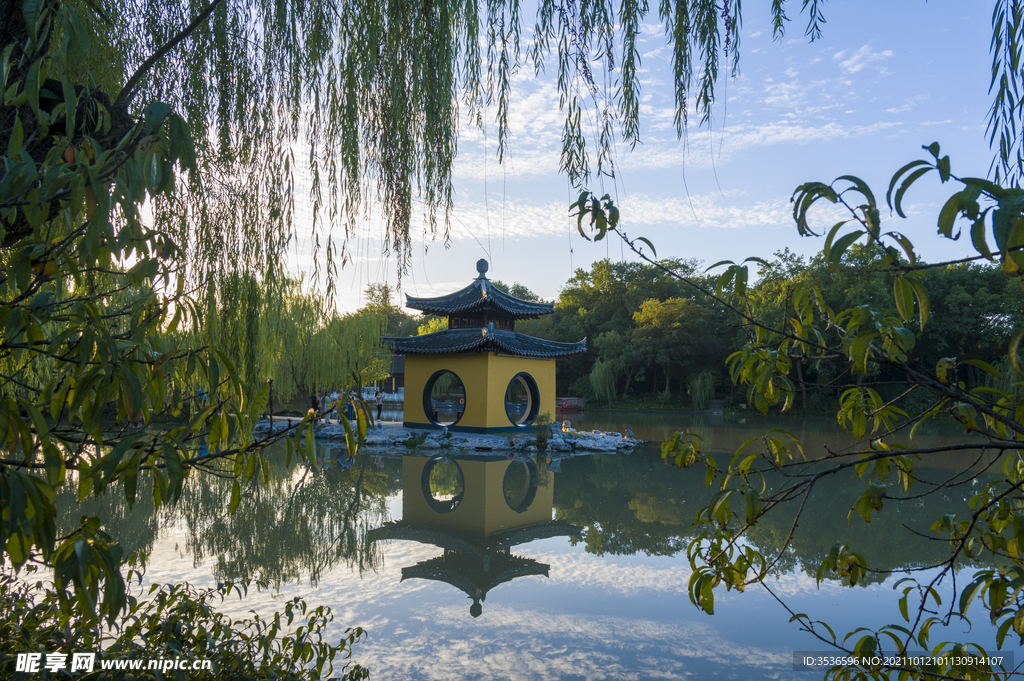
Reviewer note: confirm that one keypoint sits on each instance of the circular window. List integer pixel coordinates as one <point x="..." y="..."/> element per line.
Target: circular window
<point x="522" y="399"/>
<point x="444" y="398"/>
<point x="520" y="484"/>
<point x="443" y="484"/>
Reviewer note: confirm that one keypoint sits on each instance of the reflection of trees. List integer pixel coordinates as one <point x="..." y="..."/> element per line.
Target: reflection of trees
<point x="304" y="522"/>
<point x="299" y="525"/>
<point x="627" y="504"/>
<point x="446" y="385"/>
<point x="445" y="480"/>
<point x="134" y="529"/>
<point x="898" y="539"/>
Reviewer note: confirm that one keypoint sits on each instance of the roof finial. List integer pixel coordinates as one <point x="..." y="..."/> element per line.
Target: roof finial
<point x="481" y="267"/>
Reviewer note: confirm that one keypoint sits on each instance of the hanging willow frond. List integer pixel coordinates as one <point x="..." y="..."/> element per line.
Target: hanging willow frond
<point x="358" y="102"/>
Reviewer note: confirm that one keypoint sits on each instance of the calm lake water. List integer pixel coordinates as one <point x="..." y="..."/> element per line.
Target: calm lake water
<point x="471" y="568"/>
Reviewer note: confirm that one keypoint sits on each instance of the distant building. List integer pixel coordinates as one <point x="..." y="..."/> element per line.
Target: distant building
<point x="396" y="379"/>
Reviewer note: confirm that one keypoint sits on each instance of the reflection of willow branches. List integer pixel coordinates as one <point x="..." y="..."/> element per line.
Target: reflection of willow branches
<point x="299" y="525"/>
<point x="135" y="529"/>
<point x="351" y="543"/>
<point x="701" y="425"/>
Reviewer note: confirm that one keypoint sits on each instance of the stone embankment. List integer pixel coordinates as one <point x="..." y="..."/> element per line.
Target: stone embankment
<point x="564" y="439"/>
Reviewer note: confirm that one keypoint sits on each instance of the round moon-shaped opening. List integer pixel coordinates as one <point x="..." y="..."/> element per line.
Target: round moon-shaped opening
<point x="443" y="484"/>
<point x="444" y="398"/>
<point x="522" y="399"/>
<point x="520" y="484"/>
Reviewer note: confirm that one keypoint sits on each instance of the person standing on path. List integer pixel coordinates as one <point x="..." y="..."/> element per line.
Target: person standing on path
<point x="379" y="396"/>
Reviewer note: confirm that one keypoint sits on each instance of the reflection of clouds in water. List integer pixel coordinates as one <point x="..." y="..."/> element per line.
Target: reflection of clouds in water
<point x="421" y="629"/>
<point x="611" y="574"/>
<point x="536" y="644"/>
<point x="537" y="639"/>
<point x="610" y="617"/>
<point x="802" y="584"/>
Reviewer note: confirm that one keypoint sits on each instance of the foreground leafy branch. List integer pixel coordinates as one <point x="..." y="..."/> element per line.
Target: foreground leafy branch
<point x="774" y="474"/>
<point x="108" y="377"/>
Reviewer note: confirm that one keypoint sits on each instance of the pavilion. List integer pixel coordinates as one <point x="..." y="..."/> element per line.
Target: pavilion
<point x="479" y="375"/>
<point x="489" y="506"/>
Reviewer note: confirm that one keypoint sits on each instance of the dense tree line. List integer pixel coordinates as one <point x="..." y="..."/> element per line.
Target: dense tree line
<point x="656" y="334"/>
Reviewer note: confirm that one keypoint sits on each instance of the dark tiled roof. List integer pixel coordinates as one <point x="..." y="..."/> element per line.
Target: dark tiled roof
<point x="475" y="582"/>
<point x="479" y="297"/>
<point x="465" y="341"/>
<point x="463" y="543"/>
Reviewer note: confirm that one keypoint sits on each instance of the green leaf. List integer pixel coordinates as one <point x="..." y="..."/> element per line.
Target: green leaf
<point x="860" y="186"/>
<point x="130" y="478"/>
<point x="640" y="238"/>
<point x="968" y="594"/>
<point x="904" y="298"/>
<point x="32" y="87"/>
<point x="978" y="236"/>
<point x="947" y="216"/>
<point x="835" y="255"/>
<point x="1012" y="350"/>
<point x="984" y="366"/>
<point x="175" y="470"/>
<point x="719" y="264"/>
<point x="17" y="139"/>
<point x="896" y="177"/>
<point x="154" y="115"/>
<point x="831" y="236"/>
<point x="924" y="305"/>
<point x="753" y="506"/>
<point x="250" y="467"/>
<point x="943" y="166"/>
<point x="913" y="177"/>
<point x="71" y="103"/>
<point x="54" y="463"/>
<point x="236" y="496"/>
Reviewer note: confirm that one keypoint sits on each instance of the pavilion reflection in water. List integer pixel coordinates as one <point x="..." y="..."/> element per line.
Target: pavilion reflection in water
<point x="476" y="509"/>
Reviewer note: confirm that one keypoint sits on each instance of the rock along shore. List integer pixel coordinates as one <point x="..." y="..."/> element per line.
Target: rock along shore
<point x="393" y="434"/>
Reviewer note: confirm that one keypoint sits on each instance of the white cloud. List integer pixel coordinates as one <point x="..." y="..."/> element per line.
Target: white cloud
<point x="740" y="138"/>
<point x="731" y="210"/>
<point x="859" y="59"/>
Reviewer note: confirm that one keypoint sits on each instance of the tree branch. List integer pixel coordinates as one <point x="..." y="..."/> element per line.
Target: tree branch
<point x="126" y="93"/>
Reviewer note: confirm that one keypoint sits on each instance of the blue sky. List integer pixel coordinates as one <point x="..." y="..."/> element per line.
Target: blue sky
<point x="884" y="79"/>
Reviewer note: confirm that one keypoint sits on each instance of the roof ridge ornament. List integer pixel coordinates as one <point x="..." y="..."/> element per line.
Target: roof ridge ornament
<point x="481" y="298"/>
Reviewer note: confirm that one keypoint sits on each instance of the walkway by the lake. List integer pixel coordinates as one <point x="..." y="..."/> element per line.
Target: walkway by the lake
<point x="394" y="434"/>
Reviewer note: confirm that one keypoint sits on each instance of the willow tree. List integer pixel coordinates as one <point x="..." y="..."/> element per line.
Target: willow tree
<point x="320" y="350"/>
<point x="210" y="114"/>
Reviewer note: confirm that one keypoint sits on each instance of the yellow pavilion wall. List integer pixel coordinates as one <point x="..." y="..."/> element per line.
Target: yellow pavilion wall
<point x="485" y="377"/>
<point x="483" y="510"/>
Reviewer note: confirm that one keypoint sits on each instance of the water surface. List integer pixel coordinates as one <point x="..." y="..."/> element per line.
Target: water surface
<point x="574" y="568"/>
